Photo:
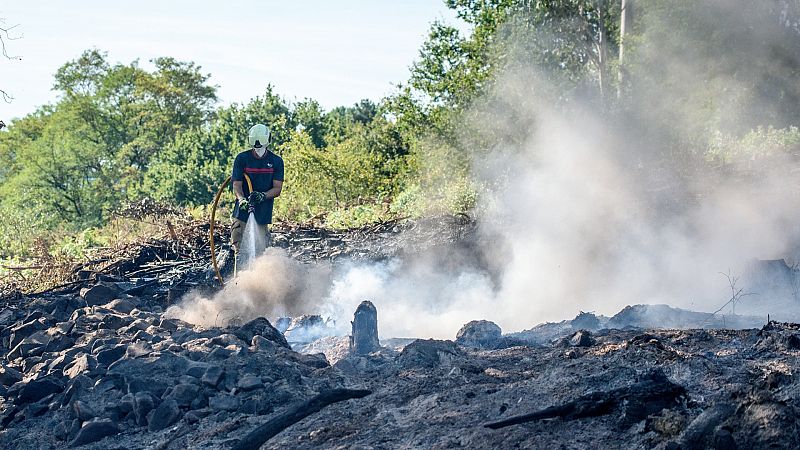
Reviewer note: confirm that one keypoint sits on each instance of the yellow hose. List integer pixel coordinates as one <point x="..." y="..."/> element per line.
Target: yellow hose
<point x="213" y="216"/>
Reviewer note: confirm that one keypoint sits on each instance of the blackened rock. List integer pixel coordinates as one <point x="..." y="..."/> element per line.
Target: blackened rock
<point x="103" y="344"/>
<point x="59" y="343"/>
<point x="76" y="387"/>
<point x="35" y="390"/>
<point x="63" y="327"/>
<point x="184" y="394"/>
<point x="168" y="325"/>
<point x="126" y="403"/>
<point x="228" y="382"/>
<point x="260" y="326"/>
<point x="581" y="338"/>
<point x="364" y="336"/>
<point x="793" y="342"/>
<point x="262" y="344"/>
<point x="120" y="306"/>
<point x="60" y="307"/>
<point x="429" y="353"/>
<point x="157" y="387"/>
<point x="213" y="376"/>
<point x="224" y="402"/>
<point x="157" y="369"/>
<point x="83" y="411"/>
<point x="36" y="409"/>
<point x="165" y="415"/>
<point x="73" y="428"/>
<point x="220" y="353"/>
<point x="99" y="294"/>
<point x="143" y="404"/>
<point x="257" y="404"/>
<point x="94" y="431"/>
<point x="249" y="383"/>
<point x="143" y="337"/>
<point x="32" y="345"/>
<point x="139" y="349"/>
<point x="20" y="332"/>
<point x="479" y="333"/>
<point x="199" y="402"/>
<point x="196" y="415"/>
<point x="7" y="415"/>
<point x="113" y="322"/>
<point x="30" y="362"/>
<point x="110" y="355"/>
<point x="225" y="340"/>
<point x="9" y="375"/>
<point x="197" y="370"/>
<point x="83" y="363"/>
<point x="61" y="430"/>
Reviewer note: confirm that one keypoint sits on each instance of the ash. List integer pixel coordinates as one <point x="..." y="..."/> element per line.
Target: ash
<point x="98" y="365"/>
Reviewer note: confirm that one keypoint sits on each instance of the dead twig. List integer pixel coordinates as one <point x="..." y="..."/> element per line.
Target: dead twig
<point x="736" y="293"/>
<point x="22" y="267"/>
<point x="655" y="393"/>
<point x="57" y="288"/>
<point x="256" y="438"/>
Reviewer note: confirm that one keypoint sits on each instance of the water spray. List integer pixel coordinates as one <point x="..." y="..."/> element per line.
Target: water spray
<point x="213" y="221"/>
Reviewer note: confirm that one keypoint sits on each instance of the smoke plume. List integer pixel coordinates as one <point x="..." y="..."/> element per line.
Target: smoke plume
<point x="274" y="286"/>
<point x="579" y="211"/>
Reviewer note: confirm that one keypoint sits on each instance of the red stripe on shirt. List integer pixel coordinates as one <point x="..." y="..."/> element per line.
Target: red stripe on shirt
<point x="256" y="170"/>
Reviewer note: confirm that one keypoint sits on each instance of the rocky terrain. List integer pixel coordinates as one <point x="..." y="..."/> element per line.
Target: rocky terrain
<point x="96" y="365"/>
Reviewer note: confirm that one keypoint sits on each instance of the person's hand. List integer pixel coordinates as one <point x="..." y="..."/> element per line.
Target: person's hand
<point x="257" y="197"/>
<point x="243" y="204"/>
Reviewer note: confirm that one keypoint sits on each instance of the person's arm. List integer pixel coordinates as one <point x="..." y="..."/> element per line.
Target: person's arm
<point x="238" y="190"/>
<point x="237" y="177"/>
<point x="277" y="180"/>
<point x="275" y="191"/>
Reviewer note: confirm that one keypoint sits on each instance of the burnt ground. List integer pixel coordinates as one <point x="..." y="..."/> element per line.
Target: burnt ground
<point x="94" y="365"/>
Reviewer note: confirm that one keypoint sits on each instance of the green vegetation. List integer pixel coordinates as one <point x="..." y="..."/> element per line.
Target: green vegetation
<point x="120" y="133"/>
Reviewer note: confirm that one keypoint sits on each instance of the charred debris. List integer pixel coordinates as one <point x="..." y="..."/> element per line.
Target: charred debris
<point x="92" y="363"/>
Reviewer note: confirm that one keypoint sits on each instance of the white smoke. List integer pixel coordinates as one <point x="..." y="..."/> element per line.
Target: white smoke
<point x="575" y="215"/>
<point x="274" y="286"/>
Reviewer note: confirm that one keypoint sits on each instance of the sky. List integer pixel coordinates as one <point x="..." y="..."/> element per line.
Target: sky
<point x="334" y="51"/>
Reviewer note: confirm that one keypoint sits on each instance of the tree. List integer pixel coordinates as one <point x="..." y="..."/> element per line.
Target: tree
<point x="308" y="115"/>
<point x="84" y="155"/>
<point x="5" y="36"/>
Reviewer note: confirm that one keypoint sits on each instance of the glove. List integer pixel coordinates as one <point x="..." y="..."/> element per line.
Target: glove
<point x="257" y="197"/>
<point x="244" y="205"/>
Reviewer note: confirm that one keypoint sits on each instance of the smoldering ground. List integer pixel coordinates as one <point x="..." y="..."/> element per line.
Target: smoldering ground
<point x="582" y="211"/>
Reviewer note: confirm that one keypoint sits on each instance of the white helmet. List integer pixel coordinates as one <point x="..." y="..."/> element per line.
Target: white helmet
<point x="258" y="135"/>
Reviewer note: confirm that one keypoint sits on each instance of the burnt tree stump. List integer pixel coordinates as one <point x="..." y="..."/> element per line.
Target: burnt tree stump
<point x="364" y="338"/>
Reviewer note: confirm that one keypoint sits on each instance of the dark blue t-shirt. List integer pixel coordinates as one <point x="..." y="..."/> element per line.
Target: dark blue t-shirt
<point x="262" y="172"/>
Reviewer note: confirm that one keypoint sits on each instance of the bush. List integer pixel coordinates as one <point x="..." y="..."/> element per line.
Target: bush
<point x="355" y="216"/>
<point x="757" y="144"/>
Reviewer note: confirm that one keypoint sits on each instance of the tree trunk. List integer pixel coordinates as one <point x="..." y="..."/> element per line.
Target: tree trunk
<point x="602" y="50"/>
<point x="625" y="21"/>
<point x="364" y="339"/>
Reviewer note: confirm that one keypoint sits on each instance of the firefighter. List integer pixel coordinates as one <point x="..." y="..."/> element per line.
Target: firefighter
<point x="265" y="171"/>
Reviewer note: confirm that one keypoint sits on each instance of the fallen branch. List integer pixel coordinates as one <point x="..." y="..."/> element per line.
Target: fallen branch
<point x="22" y="267"/>
<point x="57" y="288"/>
<point x="656" y="391"/>
<point x="256" y="438"/>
